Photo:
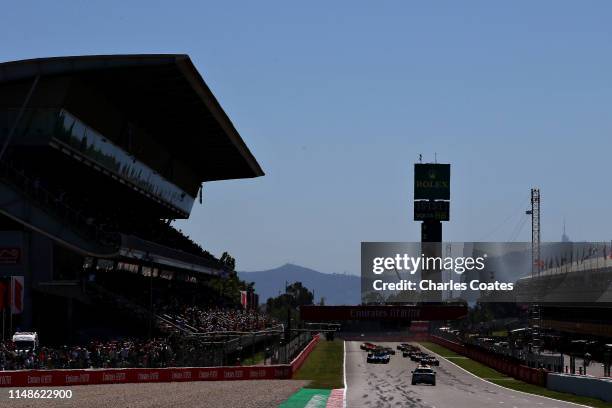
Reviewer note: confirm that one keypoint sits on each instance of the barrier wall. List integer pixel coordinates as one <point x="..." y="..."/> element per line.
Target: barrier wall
<point x="55" y="378"/>
<point x="585" y="386"/>
<point x="297" y="362"/>
<point x="499" y="363"/>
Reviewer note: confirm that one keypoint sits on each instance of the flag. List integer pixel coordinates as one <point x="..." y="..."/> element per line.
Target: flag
<point x="243" y="299"/>
<point x="16" y="296"/>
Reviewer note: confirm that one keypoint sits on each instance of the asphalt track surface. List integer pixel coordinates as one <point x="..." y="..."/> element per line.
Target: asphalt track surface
<point x="204" y="394"/>
<point x="388" y="385"/>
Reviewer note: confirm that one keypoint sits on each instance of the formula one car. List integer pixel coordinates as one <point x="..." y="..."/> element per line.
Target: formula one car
<point x="416" y="355"/>
<point x="430" y="361"/>
<point x="423" y="375"/>
<point x="367" y="346"/>
<point x="388" y="350"/>
<point x="378" y="357"/>
<point x="403" y="346"/>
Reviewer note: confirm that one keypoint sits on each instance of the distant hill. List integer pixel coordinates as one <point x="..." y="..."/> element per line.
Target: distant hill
<point x="337" y="289"/>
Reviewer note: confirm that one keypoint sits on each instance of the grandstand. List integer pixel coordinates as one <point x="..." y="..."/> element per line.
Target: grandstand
<point x="97" y="155"/>
<point x="574" y="296"/>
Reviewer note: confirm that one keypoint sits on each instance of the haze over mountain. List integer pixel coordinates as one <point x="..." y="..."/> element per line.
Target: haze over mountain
<point x="337" y="289"/>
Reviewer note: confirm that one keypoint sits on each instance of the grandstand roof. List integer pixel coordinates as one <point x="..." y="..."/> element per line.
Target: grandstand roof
<point x="167" y="94"/>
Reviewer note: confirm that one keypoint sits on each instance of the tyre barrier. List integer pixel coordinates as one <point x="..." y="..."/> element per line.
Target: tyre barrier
<point x="70" y="377"/>
<point x="500" y="363"/>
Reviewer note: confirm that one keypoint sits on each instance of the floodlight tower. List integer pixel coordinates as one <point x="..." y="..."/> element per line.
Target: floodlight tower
<point x="535" y="311"/>
<point x="536" y="264"/>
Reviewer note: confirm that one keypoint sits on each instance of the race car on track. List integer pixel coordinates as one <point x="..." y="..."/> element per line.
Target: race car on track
<point x="416" y="355"/>
<point x="388" y="350"/>
<point x="430" y="361"/>
<point x="423" y="375"/>
<point x="403" y="347"/>
<point x="367" y="346"/>
<point x="411" y="351"/>
<point x="378" y="357"/>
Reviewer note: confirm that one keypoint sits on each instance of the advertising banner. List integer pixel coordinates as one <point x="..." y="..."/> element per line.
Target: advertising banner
<point x="431" y="181"/>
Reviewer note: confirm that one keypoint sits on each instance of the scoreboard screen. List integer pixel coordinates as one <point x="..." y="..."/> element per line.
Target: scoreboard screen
<point x="431" y="210"/>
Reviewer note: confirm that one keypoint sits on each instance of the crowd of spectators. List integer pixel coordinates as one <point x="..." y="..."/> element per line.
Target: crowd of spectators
<point x="205" y="320"/>
<point x="112" y="354"/>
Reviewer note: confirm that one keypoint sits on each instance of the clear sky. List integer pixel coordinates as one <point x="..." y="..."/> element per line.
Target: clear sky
<point x="336" y="99"/>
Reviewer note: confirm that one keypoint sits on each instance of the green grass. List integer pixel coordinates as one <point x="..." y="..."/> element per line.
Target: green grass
<point x="324" y="366"/>
<point x="498" y="378"/>
<point x="258" y="358"/>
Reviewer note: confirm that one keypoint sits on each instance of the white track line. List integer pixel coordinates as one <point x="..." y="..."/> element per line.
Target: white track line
<point x="501" y="386"/>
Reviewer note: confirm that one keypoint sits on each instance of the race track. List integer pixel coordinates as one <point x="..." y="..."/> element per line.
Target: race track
<point x="196" y="394"/>
<point x="388" y="385"/>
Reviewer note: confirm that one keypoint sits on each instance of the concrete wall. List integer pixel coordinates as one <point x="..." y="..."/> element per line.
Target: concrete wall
<point x="585" y="386"/>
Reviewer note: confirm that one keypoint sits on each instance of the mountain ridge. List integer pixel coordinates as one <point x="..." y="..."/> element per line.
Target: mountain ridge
<point x="337" y="289"/>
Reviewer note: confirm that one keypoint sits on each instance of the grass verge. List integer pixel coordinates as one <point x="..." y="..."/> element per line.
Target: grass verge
<point x="258" y="358"/>
<point x="325" y="366"/>
<point x="498" y="378"/>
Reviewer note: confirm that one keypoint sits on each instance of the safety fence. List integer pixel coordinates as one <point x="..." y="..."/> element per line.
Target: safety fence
<point x="58" y="378"/>
<point x="497" y="362"/>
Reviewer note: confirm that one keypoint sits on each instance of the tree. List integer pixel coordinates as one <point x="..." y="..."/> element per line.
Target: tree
<point x="228" y="261"/>
<point x="300" y="295"/>
<point x="296" y="295"/>
<point x="230" y="286"/>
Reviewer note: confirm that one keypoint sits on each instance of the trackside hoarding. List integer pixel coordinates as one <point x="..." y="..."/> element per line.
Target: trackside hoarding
<point x="62" y="378"/>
